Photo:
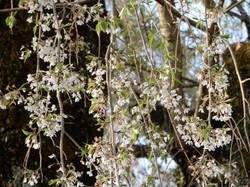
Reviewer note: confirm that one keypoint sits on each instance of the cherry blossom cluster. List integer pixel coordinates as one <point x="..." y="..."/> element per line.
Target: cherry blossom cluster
<point x="96" y="86"/>
<point x="196" y="132"/>
<point x="62" y="78"/>
<point x="71" y="178"/>
<point x="132" y="104"/>
<point x="206" y="169"/>
<point x="215" y="79"/>
<point x="58" y="76"/>
<point x="101" y="150"/>
<point x="101" y="153"/>
<point x="217" y="47"/>
<point x="12" y="97"/>
<point x="31" y="177"/>
<point x="128" y="106"/>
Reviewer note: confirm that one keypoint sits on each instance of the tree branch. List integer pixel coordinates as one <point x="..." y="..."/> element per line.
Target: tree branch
<point x="58" y="5"/>
<point x="244" y="18"/>
<point x="181" y="16"/>
<point x="232" y="5"/>
<point x="12" y="9"/>
<point x="194" y="23"/>
<point x="234" y="14"/>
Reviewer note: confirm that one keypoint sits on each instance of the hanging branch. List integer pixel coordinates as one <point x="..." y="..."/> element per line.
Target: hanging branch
<point x="58" y="94"/>
<point x="109" y="89"/>
<point x="242" y="93"/>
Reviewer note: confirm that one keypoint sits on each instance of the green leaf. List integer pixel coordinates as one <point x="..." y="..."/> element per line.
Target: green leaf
<point x="116" y="22"/>
<point x="199" y="48"/>
<point x="21" y="2"/>
<point x="230" y="100"/>
<point x="98" y="28"/>
<point x="203" y="123"/>
<point x="226" y="36"/>
<point x="54" y="181"/>
<point x="123" y="12"/>
<point x="35" y="27"/>
<point x="27" y="55"/>
<point x="151" y="36"/>
<point x="101" y="122"/>
<point x="148" y="18"/>
<point x="101" y="26"/>
<point x="91" y="149"/>
<point x="178" y="81"/>
<point x="133" y="2"/>
<point x="25" y="132"/>
<point x="67" y="25"/>
<point x="124" y="93"/>
<point x="10" y="21"/>
<point x="135" y="136"/>
<point x="197" y="24"/>
<point x="179" y="69"/>
<point x="93" y="105"/>
<point x="92" y="84"/>
<point x="104" y="25"/>
<point x="50" y="116"/>
<point x="151" y="41"/>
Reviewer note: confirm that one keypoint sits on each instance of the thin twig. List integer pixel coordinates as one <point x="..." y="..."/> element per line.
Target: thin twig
<point x="242" y="92"/>
<point x="58" y="94"/>
<point x="209" y="70"/>
<point x="110" y="99"/>
<point x="40" y="156"/>
<point x="13" y="9"/>
<point x="199" y="99"/>
<point x="73" y="140"/>
<point x="143" y="40"/>
<point x="37" y="77"/>
<point x="179" y="140"/>
<point x="245" y="80"/>
<point x="11" y="14"/>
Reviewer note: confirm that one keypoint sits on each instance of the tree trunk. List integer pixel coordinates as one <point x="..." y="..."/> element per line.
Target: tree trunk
<point x="170" y="34"/>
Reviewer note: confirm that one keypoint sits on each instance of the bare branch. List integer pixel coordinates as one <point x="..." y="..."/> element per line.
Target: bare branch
<point x="12" y="9"/>
<point x="245" y="80"/>
<point x="194" y="23"/>
<point x="234" y="14"/>
<point x="231" y="6"/>
<point x="182" y="17"/>
<point x="244" y="18"/>
<point x="58" y="94"/>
